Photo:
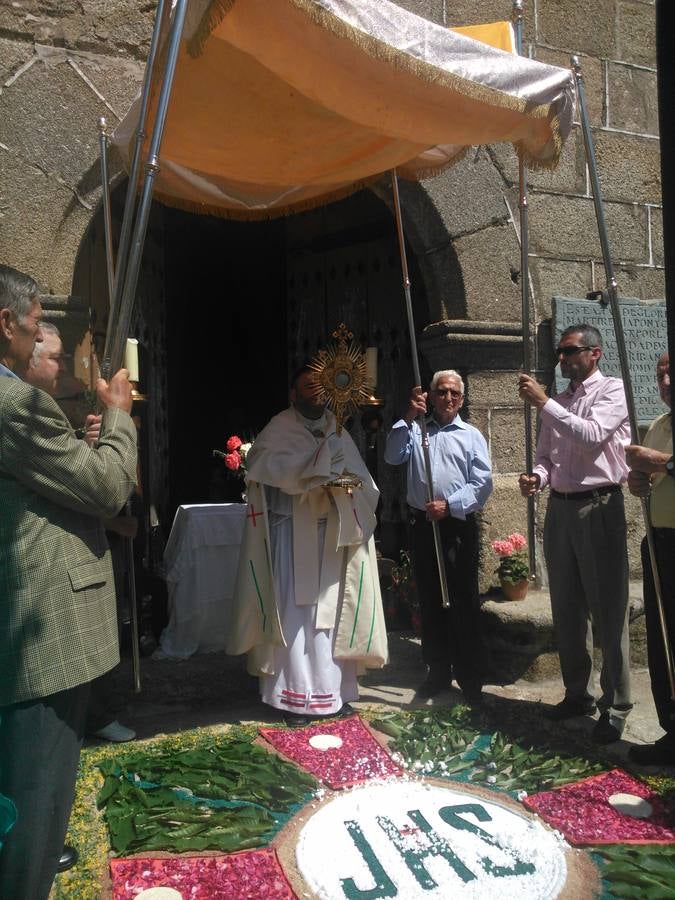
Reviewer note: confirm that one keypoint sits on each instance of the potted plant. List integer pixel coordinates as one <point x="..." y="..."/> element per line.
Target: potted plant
<point x="513" y="569"/>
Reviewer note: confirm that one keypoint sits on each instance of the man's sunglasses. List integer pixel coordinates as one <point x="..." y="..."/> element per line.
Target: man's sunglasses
<point x="570" y="351"/>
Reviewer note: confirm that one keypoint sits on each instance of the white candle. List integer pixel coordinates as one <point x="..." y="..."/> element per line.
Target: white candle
<point x="131" y="359"/>
<point x="371" y="366"/>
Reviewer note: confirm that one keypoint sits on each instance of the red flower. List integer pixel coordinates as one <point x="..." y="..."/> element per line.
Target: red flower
<point x="232" y="460"/>
<point x="233" y="443"/>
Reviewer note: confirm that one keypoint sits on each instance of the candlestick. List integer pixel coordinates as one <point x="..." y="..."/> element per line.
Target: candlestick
<point x="371" y="366"/>
<point x="131" y="359"/>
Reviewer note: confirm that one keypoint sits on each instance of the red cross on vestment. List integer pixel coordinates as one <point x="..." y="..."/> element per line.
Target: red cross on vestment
<point x="253" y="515"/>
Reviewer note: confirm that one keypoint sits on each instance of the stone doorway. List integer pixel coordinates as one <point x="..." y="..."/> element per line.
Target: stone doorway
<point x="227" y="309"/>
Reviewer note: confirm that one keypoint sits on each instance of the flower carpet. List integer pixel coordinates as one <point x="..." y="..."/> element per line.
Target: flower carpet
<point x="410" y="804"/>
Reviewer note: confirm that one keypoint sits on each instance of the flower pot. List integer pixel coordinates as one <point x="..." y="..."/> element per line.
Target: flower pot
<point x="517" y="591"/>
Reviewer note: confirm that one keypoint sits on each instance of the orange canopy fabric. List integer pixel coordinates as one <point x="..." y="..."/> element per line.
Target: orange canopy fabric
<point x="277" y="106"/>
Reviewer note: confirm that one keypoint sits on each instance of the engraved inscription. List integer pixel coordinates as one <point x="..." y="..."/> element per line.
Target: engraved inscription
<point x="646" y="337"/>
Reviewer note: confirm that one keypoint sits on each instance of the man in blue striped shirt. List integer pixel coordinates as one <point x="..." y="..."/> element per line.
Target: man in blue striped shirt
<point x="462" y="482"/>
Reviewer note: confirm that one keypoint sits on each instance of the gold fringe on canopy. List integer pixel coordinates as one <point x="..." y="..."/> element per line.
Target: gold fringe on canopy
<point x="281" y="106"/>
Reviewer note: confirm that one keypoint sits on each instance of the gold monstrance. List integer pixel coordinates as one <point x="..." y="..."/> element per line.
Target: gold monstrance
<point x="340" y="372"/>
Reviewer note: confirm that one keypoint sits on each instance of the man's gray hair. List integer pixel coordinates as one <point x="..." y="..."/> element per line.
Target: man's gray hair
<point x="446" y="373"/>
<point x="45" y="328"/>
<point x="18" y="292"/>
<point x="589" y="334"/>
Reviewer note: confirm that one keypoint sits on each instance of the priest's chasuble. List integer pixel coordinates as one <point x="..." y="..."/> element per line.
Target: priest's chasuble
<point x="290" y="466"/>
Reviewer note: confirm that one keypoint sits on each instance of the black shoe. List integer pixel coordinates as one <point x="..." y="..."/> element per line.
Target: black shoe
<point x="67" y="859"/>
<point x="473" y="696"/>
<point x="293" y="720"/>
<point x="568" y="708"/>
<point x="660" y="753"/>
<point x="345" y="710"/>
<point x="433" y="684"/>
<point x="606" y="730"/>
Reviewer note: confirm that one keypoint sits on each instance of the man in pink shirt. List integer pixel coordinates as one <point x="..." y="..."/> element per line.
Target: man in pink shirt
<point x="580" y="455"/>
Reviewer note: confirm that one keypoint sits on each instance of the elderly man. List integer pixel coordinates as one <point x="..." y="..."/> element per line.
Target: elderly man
<point x="308" y="608"/>
<point x="580" y="454"/>
<point x="57" y="600"/>
<point x="46" y="364"/>
<point x="650" y="468"/>
<point x="462" y="480"/>
<point x="46" y="371"/>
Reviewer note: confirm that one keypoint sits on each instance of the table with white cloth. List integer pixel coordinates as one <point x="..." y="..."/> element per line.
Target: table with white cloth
<point x="200" y="560"/>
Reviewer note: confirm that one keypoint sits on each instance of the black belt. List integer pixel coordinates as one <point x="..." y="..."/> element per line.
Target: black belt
<point x="586" y="495"/>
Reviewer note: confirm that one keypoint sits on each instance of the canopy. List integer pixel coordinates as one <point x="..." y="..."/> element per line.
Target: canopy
<point x="277" y="106"/>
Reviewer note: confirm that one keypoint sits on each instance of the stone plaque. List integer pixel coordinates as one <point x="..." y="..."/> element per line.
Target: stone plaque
<point x="646" y="336"/>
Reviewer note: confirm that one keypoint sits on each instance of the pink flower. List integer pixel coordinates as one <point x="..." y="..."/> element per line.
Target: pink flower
<point x="232" y="460"/>
<point x="503" y="548"/>
<point x="518" y="541"/>
<point x="233" y="443"/>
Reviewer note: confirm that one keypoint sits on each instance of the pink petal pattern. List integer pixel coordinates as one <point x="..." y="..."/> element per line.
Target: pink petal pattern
<point x="236" y="876"/>
<point x="359" y="759"/>
<point x="583" y="814"/>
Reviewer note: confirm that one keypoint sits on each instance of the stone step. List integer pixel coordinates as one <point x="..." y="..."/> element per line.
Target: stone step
<point x="520" y="639"/>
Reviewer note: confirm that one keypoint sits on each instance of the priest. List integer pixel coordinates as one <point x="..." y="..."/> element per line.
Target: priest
<point x="307" y="602"/>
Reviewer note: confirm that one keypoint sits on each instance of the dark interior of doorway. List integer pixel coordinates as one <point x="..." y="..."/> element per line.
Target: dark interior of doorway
<point x="226" y="344"/>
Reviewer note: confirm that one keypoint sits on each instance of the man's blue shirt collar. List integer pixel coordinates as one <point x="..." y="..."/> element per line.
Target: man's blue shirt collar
<point x="457" y="422"/>
<point x="8" y="372"/>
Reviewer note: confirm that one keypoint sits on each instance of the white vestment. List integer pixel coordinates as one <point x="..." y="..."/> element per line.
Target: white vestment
<point x="307" y="603"/>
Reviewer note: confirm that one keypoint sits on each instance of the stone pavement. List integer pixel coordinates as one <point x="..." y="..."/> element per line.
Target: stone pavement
<point x="214" y="689"/>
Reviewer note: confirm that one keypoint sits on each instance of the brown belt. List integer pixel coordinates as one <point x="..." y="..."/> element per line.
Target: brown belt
<point x="586" y="495"/>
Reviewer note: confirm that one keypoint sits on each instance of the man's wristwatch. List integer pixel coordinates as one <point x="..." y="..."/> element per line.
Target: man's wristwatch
<point x="670" y="467"/>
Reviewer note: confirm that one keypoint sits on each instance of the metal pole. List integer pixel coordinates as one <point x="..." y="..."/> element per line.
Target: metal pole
<point x="117" y="331"/>
<point x="525" y="310"/>
<point x="623" y="356"/>
<point x="418" y="381"/>
<point x="107" y="216"/>
<point x="133" y="609"/>
<point x="163" y="8"/>
<point x="110" y="267"/>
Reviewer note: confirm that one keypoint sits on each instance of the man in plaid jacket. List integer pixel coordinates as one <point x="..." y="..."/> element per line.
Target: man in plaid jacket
<point x="57" y="603"/>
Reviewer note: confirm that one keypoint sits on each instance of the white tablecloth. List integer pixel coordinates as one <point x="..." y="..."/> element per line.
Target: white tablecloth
<point x="200" y="561"/>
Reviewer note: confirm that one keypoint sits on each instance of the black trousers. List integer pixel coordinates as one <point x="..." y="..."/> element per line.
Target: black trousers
<point x="451" y="638"/>
<point x="40" y="743"/>
<point x="664" y="545"/>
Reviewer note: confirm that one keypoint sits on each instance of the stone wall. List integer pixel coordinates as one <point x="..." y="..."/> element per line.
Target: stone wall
<point x="65" y="63"/>
<point x="477" y="203"/>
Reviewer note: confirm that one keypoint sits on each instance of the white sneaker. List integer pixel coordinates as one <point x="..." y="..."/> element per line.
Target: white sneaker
<point x="116" y="733"/>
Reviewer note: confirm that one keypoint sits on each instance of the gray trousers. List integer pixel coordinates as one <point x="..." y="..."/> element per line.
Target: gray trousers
<point x="40" y="744"/>
<point x="587" y="561"/>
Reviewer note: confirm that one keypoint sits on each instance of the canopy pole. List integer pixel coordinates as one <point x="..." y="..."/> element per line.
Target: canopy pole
<point x="612" y="295"/>
<point x="107" y="217"/>
<point x="163" y="9"/>
<point x="128" y="543"/>
<point x="118" y="330"/>
<point x="418" y="381"/>
<point x="525" y="311"/>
